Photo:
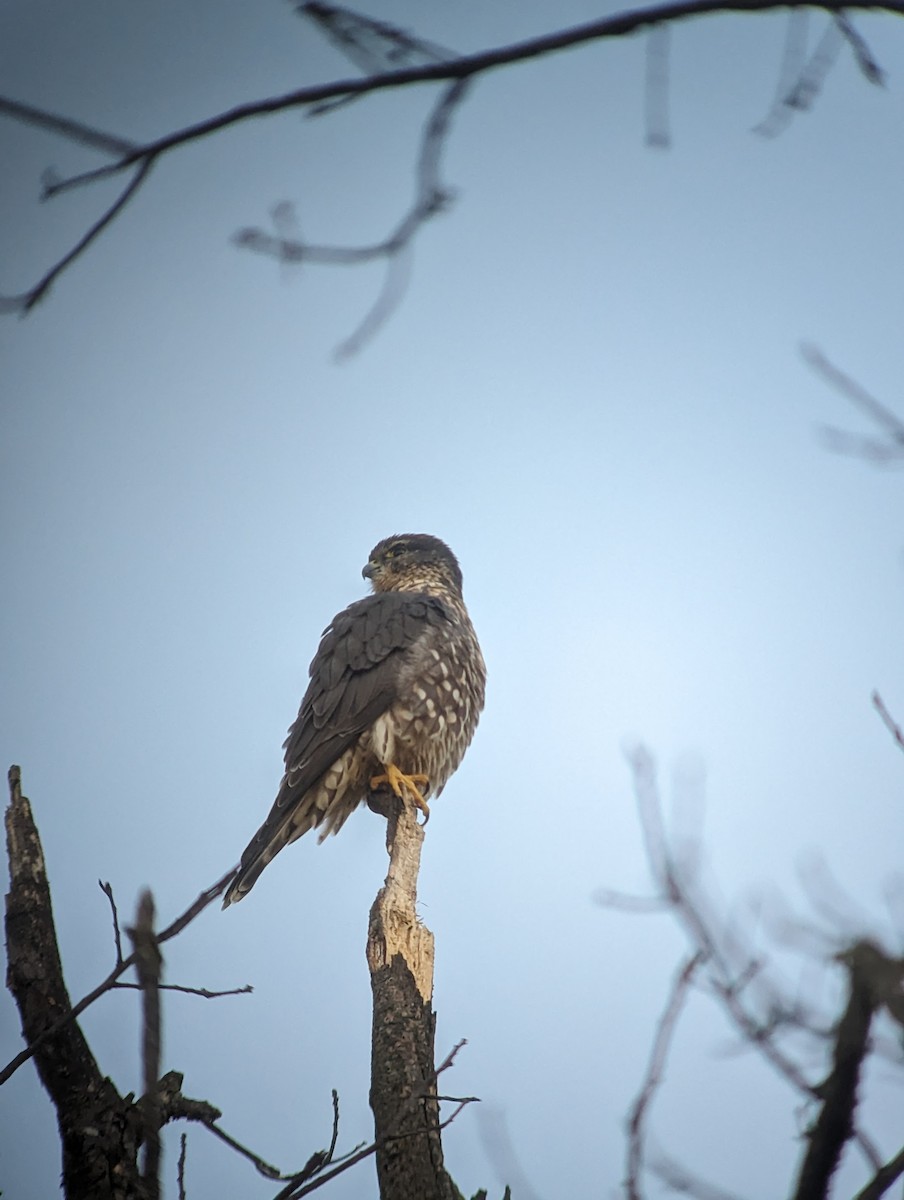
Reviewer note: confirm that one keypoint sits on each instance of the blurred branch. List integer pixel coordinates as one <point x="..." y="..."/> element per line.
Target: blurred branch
<point x="26" y="301"/>
<point x="431" y="198"/>
<point x="765" y="1017"/>
<point x="874" y="981"/>
<point x="391" y="46"/>
<point x="890" y="723"/>
<point x="873" y="449"/>
<point x="655" y="1070"/>
<point x="883" y="1179"/>
<point x="148" y="964"/>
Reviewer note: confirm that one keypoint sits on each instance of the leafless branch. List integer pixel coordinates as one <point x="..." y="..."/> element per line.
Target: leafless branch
<point x="873" y="981"/>
<point x="679" y="1179"/>
<point x="431" y="198"/>
<point x="300" y="1186"/>
<point x="175" y="927"/>
<point x="761" y="1018"/>
<point x="656" y="87"/>
<point x="883" y="1179"/>
<point x="205" y="993"/>
<point x="890" y="723"/>
<point x="877" y="451"/>
<point x="863" y="56"/>
<point x="74" y="131"/>
<point x="180" y="1169"/>
<point x="400" y="47"/>
<point x="107" y="890"/>
<point x="655" y="1069"/>
<point x="27" y="300"/>
<point x="790" y="70"/>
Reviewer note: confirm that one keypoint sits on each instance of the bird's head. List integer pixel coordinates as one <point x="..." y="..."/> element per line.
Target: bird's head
<point x="413" y="562"/>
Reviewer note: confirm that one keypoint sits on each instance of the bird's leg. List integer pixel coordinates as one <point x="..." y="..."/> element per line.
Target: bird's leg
<point x="404" y="786"/>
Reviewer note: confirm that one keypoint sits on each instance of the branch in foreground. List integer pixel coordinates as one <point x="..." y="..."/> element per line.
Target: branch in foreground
<point x="148" y="964"/>
<point x="462" y="68"/>
<point x="99" y="1130"/>
<point x="16" y="813"/>
<point x="874" y="449"/>
<point x="874" y="981"/>
<point x="637" y="1119"/>
<point x="760" y="1011"/>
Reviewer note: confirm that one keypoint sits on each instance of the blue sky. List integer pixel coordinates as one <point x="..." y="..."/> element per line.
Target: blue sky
<point x="593" y="390"/>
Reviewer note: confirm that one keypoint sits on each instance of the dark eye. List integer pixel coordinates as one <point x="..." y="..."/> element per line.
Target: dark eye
<point x="397" y="549"/>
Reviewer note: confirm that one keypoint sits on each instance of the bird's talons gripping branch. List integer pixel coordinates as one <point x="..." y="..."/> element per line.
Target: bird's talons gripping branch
<point x="405" y="787"/>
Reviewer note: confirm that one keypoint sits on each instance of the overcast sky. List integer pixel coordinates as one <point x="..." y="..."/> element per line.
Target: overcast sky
<point x="593" y="390"/>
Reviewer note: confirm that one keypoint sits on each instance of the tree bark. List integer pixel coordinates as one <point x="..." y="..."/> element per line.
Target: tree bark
<point x="99" y="1130"/>
<point x="403" y="1075"/>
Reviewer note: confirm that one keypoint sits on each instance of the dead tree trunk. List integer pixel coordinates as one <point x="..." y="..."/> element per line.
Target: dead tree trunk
<point x="100" y="1131"/>
<point x="403" y="1073"/>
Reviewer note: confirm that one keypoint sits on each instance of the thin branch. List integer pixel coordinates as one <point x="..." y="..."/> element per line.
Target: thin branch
<point x="655" y="1071"/>
<point x="107" y="890"/>
<point x="863" y="56"/>
<point x="679" y="1179"/>
<point x="27" y="300"/>
<point x="791" y="68"/>
<point x="722" y="975"/>
<point x="463" y="67"/>
<point x="431" y="198"/>
<point x="205" y="993"/>
<point x="290" y="1193"/>
<point x="194" y="909"/>
<point x="180" y="1169"/>
<point x="890" y="723"/>
<point x="459" y="68"/>
<point x="883" y="1179"/>
<point x="75" y="131"/>
<point x="893" y="427"/>
<point x="656" y="87"/>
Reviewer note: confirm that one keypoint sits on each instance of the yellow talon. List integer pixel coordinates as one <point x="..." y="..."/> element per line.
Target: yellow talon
<point x="404" y="786"/>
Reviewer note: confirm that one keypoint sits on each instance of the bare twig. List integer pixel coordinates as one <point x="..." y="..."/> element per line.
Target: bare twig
<point x="792" y="64"/>
<point x="431" y="198"/>
<point x="877" y="451"/>
<point x="890" y="723"/>
<point x="75" y="131"/>
<point x="883" y="1179"/>
<point x="175" y="927"/>
<point x="27" y="300"/>
<point x="180" y="1169"/>
<point x="637" y="1118"/>
<point x="205" y="993"/>
<point x="107" y="890"/>
<point x="656" y="87"/>
<point x="459" y="68"/>
<point x="679" y="1179"/>
<point x="290" y="1193"/>
<point x="725" y="978"/>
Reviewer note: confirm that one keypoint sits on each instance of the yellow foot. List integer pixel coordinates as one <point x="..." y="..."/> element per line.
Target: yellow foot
<point x="404" y="786"/>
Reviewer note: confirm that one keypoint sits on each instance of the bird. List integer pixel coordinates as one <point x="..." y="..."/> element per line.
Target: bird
<point x="395" y="692"/>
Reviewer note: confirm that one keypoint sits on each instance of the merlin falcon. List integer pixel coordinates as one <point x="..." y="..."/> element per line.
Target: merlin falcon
<point x="396" y="690"/>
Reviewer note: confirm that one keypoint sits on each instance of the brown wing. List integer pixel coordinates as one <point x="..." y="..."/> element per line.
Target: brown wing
<point x="354" y="679"/>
